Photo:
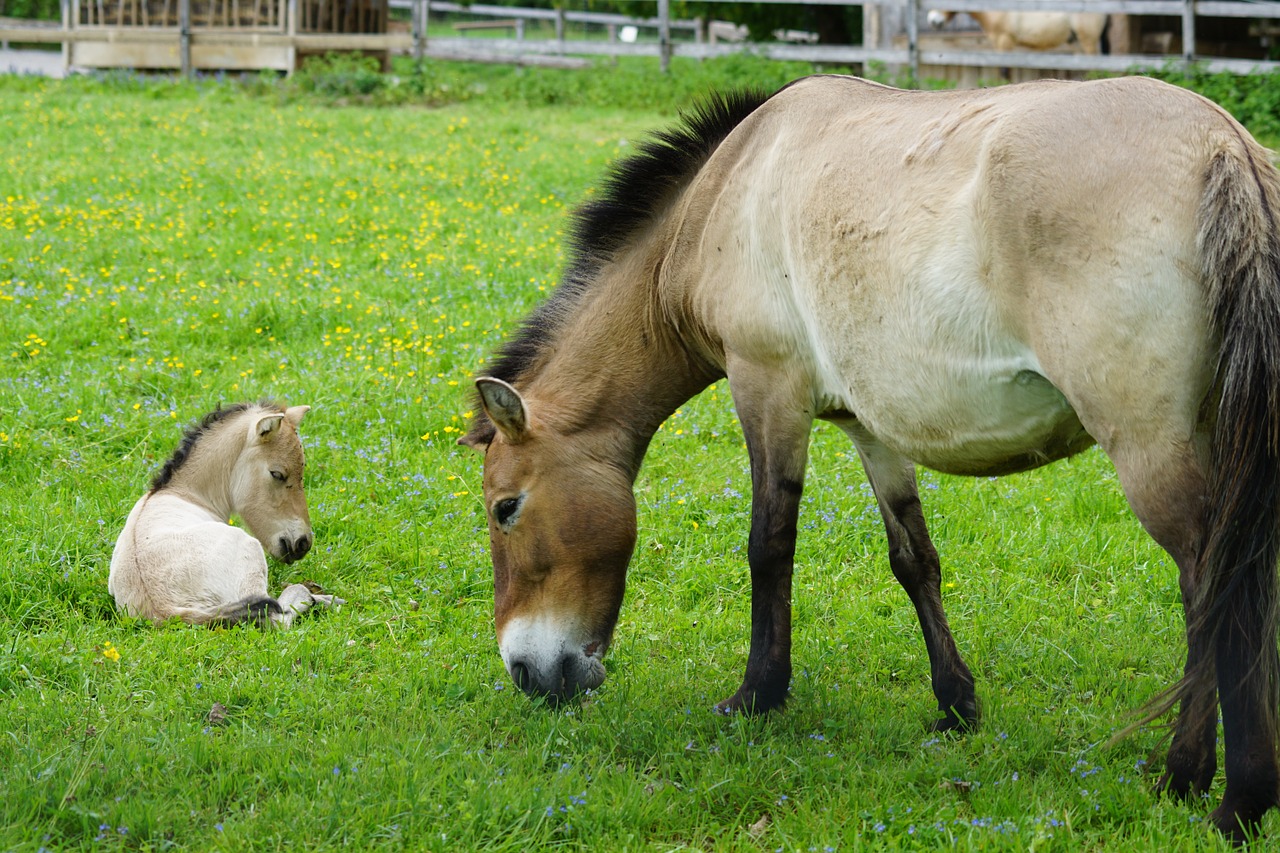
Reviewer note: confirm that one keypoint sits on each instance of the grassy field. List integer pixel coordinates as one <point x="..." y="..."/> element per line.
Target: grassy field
<point x="165" y="248"/>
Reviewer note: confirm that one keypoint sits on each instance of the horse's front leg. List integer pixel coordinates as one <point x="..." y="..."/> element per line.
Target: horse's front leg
<point x="776" y="423"/>
<point x="915" y="564"/>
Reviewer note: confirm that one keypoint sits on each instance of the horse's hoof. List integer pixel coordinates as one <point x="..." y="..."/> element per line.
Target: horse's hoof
<point x="1235" y="828"/>
<point x="951" y="724"/>
<point x="750" y="702"/>
<point x="960" y="718"/>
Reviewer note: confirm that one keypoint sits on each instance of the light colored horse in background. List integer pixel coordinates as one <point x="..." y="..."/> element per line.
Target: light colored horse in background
<point x="1034" y="30"/>
<point x="978" y="281"/>
<point x="179" y="557"/>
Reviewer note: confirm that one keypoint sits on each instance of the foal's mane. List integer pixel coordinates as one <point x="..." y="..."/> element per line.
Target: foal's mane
<point x="195" y="432"/>
<point x="635" y="190"/>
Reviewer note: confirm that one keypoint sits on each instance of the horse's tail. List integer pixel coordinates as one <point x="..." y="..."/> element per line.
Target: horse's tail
<point x="255" y="609"/>
<point x="1237" y="607"/>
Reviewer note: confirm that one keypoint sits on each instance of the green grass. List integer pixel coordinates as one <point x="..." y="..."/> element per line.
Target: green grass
<point x="164" y="248"/>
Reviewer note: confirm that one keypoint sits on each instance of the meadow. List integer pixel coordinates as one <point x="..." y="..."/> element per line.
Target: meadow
<point x="166" y="247"/>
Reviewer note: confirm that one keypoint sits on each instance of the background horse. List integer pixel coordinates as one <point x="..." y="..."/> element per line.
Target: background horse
<point x="1034" y="30"/>
<point x="981" y="282"/>
<point x="178" y="556"/>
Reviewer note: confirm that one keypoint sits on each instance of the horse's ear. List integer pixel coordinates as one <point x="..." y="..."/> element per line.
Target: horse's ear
<point x="505" y="408"/>
<point x="294" y="415"/>
<point x="267" y="425"/>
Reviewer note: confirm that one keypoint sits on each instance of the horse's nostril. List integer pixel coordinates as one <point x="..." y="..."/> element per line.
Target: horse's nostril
<point x="302" y="546"/>
<point x="520" y="674"/>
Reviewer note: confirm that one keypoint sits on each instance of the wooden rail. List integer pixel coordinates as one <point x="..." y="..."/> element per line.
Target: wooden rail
<point x="191" y="35"/>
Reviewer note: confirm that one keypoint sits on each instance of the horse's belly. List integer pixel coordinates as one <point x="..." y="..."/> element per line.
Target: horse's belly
<point x="976" y="421"/>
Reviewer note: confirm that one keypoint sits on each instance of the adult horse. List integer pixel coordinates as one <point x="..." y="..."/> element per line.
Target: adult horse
<point x="981" y="282"/>
<point x="1034" y="30"/>
<point x="178" y="557"/>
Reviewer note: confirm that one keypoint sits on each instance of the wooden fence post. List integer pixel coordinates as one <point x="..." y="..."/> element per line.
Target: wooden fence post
<point x="184" y="38"/>
<point x="68" y="16"/>
<point x="291" y="29"/>
<point x="664" y="35"/>
<point x="421" y="12"/>
<point x="913" y="39"/>
<point x="1188" y="32"/>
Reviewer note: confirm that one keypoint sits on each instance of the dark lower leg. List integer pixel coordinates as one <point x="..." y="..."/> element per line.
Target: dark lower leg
<point x="1193" y="756"/>
<point x="1245" y="658"/>
<point x="915" y="564"/>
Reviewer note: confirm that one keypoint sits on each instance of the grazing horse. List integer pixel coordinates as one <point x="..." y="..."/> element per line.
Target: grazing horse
<point x="981" y="282"/>
<point x="1034" y="30"/>
<point x="178" y="556"/>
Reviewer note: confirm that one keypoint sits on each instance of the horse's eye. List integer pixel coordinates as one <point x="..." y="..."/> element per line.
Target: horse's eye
<point x="276" y="475"/>
<point x="505" y="511"/>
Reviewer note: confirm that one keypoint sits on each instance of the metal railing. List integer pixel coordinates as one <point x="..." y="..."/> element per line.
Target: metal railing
<point x="189" y="35"/>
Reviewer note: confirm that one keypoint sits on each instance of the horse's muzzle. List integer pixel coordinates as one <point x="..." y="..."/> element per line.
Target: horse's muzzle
<point x="293" y="550"/>
<point x="568" y="676"/>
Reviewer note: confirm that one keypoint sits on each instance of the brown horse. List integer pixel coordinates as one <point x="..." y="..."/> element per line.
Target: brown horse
<point x="1034" y="30"/>
<point x="981" y="282"/>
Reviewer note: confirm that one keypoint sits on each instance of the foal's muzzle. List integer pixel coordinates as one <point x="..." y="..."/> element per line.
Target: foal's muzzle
<point x="295" y="549"/>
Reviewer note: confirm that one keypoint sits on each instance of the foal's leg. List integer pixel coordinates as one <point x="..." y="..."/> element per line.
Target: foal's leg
<point x="914" y="562"/>
<point x="295" y="600"/>
<point x="776" y="425"/>
<point x="1168" y="496"/>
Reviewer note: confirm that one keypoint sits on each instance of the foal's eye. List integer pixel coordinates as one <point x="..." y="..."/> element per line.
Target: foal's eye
<point x="276" y="475"/>
<point x="505" y="511"/>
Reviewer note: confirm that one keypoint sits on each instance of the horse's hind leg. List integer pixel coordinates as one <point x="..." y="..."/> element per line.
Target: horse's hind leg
<point x="914" y="562"/>
<point x="1168" y="496"/>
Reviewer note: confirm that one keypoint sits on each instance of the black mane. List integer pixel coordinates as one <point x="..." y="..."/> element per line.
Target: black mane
<point x="635" y="188"/>
<point x="193" y="435"/>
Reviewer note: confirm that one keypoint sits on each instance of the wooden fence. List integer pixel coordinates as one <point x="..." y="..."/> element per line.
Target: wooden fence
<point x="661" y="36"/>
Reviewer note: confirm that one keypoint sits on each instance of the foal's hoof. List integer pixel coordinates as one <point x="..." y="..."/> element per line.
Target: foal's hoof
<point x="328" y="600"/>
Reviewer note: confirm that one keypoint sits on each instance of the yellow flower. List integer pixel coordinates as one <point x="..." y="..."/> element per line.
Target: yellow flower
<point x="109" y="652"/>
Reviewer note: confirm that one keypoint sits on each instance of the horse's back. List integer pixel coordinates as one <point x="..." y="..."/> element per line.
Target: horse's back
<point x="967" y="273"/>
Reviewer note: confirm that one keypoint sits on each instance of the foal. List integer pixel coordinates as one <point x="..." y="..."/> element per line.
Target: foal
<point x="179" y="556"/>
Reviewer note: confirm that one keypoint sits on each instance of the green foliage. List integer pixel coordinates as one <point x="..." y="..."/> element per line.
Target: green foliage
<point x="340" y="75"/>
<point x="631" y="83"/>
<point x="45" y="10"/>
<point x="1253" y="99"/>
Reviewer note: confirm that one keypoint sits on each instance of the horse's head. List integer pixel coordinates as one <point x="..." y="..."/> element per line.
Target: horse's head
<point x="562" y="525"/>
<point x="266" y="483"/>
<point x="939" y="19"/>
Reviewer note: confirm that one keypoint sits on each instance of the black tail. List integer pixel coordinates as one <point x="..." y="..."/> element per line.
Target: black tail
<point x="257" y="609"/>
<point x="1239" y="594"/>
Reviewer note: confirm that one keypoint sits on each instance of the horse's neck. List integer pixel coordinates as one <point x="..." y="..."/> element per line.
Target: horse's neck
<point x="205" y="477"/>
<point x="620" y="361"/>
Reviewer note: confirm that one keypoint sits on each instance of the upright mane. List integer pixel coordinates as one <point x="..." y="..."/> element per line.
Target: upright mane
<point x="193" y="435"/>
<point x="633" y="192"/>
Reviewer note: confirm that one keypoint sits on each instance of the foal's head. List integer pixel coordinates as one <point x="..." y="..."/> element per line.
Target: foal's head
<point x="562" y="525"/>
<point x="248" y="456"/>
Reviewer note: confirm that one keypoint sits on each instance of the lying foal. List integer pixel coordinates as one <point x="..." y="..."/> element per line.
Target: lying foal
<point x="179" y="556"/>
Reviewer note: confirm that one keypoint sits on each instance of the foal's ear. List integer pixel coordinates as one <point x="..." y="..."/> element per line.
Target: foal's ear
<point x="265" y="426"/>
<point x="294" y="414"/>
<point x="505" y="408"/>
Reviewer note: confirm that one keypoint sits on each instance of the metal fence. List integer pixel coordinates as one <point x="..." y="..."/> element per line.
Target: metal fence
<point x="659" y="36"/>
